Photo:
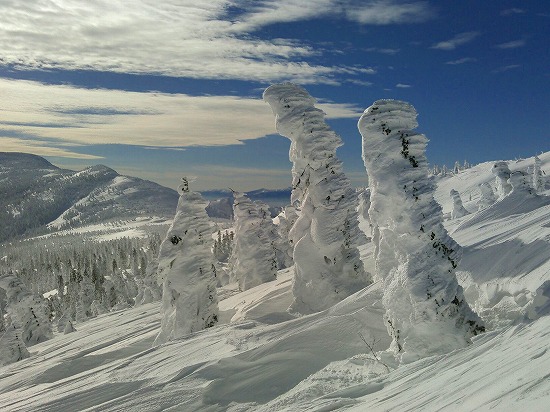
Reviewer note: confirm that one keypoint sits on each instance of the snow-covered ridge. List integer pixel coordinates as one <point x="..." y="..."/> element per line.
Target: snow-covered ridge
<point x="37" y="197"/>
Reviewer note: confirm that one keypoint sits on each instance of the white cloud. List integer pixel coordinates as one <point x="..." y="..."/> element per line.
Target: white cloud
<point x="402" y="86"/>
<point x="512" y="11"/>
<point x="457" y="40"/>
<point x="12" y="144"/>
<point x="194" y="38"/>
<point x="511" y="44"/>
<point x="99" y="116"/>
<point x="507" y="68"/>
<point x="461" y="61"/>
<point x="380" y="12"/>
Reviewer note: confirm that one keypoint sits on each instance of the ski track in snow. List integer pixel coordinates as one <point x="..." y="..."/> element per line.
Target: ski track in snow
<point x="260" y="358"/>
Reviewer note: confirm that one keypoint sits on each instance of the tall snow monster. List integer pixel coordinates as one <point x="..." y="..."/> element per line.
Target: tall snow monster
<point x="326" y="234"/>
<point x="186" y="271"/>
<point x="426" y="313"/>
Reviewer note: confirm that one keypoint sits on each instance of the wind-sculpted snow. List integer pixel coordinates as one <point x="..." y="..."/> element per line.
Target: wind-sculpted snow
<point x="425" y="308"/>
<point x="253" y="260"/>
<point x="187" y="272"/>
<point x="326" y="234"/>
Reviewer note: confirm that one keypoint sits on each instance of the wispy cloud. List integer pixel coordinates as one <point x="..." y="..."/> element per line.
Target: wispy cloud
<point x="507" y="68"/>
<point x="511" y="44"/>
<point x="462" y="61"/>
<point x="143" y="119"/>
<point x="512" y="11"/>
<point x="40" y="148"/>
<point x="380" y="12"/>
<point x="456" y="41"/>
<point x="403" y="86"/>
<point x="212" y="39"/>
<point x="383" y="50"/>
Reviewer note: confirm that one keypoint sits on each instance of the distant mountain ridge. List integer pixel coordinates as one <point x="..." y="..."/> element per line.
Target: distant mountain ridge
<point x="36" y="196"/>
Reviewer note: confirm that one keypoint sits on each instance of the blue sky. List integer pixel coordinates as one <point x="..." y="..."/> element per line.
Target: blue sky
<point x="164" y="89"/>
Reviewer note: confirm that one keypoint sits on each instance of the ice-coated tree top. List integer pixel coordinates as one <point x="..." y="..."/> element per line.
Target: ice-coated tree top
<point x="312" y="140"/>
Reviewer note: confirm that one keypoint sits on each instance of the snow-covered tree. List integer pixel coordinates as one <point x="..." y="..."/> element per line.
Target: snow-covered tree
<point x="521" y="183"/>
<point x="284" y="245"/>
<point x="538" y="183"/>
<point x="458" y="208"/>
<point x="185" y="270"/>
<point x="253" y="260"/>
<point x="12" y="347"/>
<point x="426" y="312"/>
<point x="487" y="196"/>
<point x="69" y="328"/>
<point x="27" y="311"/>
<point x="326" y="235"/>
<point x="502" y="173"/>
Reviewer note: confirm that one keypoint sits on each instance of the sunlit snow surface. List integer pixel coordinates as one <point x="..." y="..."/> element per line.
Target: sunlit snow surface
<point x="261" y="359"/>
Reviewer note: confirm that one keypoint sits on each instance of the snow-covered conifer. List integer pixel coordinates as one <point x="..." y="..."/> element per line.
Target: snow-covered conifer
<point x="189" y="300"/>
<point x="458" y="208"/>
<point x="326" y="256"/>
<point x="12" y="347"/>
<point x="521" y="183"/>
<point x="29" y="312"/>
<point x="538" y="183"/>
<point x="284" y="245"/>
<point x="502" y="173"/>
<point x="69" y="328"/>
<point x="425" y="308"/>
<point x="253" y="260"/>
<point x="487" y="196"/>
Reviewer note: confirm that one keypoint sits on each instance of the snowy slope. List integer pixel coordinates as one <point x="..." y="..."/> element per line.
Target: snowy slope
<point x="36" y="196"/>
<point x="260" y="358"/>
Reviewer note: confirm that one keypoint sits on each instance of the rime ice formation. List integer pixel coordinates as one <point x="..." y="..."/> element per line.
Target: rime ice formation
<point x="502" y="173"/>
<point x="326" y="234"/>
<point x="487" y="196"/>
<point x="521" y="183"/>
<point x="253" y="260"/>
<point x="186" y="271"/>
<point x="425" y="308"/>
<point x="458" y="207"/>
<point x="284" y="245"/>
<point x="12" y="347"/>
<point x="538" y="183"/>
<point x="27" y="311"/>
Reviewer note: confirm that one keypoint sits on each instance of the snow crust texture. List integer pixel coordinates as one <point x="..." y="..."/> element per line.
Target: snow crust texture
<point x="326" y="234"/>
<point x="415" y="257"/>
<point x="187" y="272"/>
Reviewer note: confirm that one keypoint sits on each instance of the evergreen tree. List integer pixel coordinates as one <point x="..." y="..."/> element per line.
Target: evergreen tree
<point x="189" y="298"/>
<point x="502" y="173"/>
<point x="458" y="208"/>
<point x="426" y="312"/>
<point x="326" y="234"/>
<point x="27" y="311"/>
<point x="253" y="260"/>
